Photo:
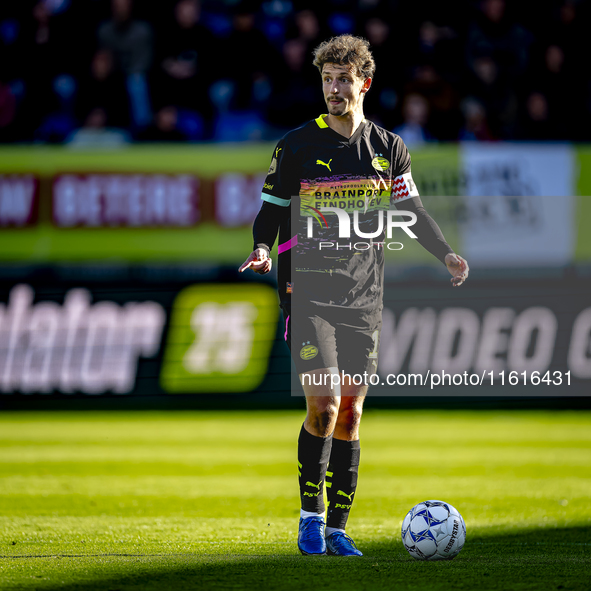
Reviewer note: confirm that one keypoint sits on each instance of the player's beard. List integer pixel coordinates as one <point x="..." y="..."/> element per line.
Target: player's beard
<point x="337" y="110"/>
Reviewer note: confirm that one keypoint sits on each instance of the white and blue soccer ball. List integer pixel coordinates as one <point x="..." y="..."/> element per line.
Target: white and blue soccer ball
<point x="433" y="530"/>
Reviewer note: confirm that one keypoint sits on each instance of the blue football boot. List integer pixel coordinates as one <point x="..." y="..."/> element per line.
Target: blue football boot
<point x="311" y="536"/>
<point x="340" y="544"/>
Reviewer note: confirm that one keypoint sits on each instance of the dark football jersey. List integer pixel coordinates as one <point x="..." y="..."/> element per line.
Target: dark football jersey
<point x="313" y="168"/>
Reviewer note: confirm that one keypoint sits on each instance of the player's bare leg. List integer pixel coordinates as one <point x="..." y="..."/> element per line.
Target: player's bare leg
<point x="350" y="411"/>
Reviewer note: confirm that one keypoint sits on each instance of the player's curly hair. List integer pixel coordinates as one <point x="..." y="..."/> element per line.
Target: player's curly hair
<point x="346" y="50"/>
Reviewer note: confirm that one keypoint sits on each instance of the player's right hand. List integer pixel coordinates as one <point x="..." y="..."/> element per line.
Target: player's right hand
<point x="258" y="261"/>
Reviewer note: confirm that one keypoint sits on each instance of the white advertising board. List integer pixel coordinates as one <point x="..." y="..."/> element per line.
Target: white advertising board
<point x="520" y="208"/>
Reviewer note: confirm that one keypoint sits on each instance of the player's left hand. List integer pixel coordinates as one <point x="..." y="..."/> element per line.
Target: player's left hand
<point x="458" y="267"/>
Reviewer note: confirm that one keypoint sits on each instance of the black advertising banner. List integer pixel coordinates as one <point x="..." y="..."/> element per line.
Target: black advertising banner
<point x="507" y="335"/>
<point x="178" y="331"/>
<point x="134" y="331"/>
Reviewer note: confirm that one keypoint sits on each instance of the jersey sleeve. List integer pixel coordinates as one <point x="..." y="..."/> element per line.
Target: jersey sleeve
<point x="282" y="182"/>
<point x="403" y="186"/>
<point x="266" y="225"/>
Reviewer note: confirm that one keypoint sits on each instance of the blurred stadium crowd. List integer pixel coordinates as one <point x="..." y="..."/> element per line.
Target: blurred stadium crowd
<point x="107" y="72"/>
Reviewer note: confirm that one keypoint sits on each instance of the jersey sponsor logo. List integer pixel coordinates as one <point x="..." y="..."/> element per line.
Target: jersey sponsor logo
<point x="380" y="163"/>
<point x="273" y="166"/>
<point x="350" y="199"/>
<point x="346" y="192"/>
<point x="277" y="150"/>
<point x="317" y="215"/>
<point x="268" y="186"/>
<point x="404" y="186"/>
<point x="348" y="205"/>
<point x="372" y="192"/>
<point x="327" y="164"/>
<point x="308" y="352"/>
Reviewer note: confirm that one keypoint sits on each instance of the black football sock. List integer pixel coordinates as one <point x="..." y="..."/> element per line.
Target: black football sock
<point x="313" y="454"/>
<point x="341" y="481"/>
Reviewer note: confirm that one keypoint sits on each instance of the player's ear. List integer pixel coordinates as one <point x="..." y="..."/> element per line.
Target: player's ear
<point x="366" y="85"/>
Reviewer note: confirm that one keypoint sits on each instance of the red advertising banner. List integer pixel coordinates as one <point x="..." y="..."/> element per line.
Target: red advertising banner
<point x="18" y="200"/>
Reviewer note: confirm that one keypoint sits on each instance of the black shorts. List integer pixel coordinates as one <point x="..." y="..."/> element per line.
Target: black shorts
<point x="319" y="336"/>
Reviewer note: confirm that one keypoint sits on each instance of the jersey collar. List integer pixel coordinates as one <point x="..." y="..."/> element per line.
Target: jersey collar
<point x="322" y="124"/>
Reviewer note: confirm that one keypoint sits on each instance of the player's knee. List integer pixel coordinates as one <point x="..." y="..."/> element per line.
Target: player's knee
<point x="350" y="417"/>
<point x="323" y="417"/>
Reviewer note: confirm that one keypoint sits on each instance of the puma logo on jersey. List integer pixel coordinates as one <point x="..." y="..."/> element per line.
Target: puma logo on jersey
<point x="327" y="164"/>
<point x="340" y="492"/>
<point x="315" y="485"/>
<point x="277" y="150"/>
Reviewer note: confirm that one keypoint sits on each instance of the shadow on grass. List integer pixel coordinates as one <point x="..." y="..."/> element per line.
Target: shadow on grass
<point x="532" y="559"/>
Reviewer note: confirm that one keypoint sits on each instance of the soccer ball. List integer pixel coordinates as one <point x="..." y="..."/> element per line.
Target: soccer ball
<point x="433" y="530"/>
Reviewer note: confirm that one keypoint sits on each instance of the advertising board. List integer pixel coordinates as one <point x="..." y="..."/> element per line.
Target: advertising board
<point x="129" y="332"/>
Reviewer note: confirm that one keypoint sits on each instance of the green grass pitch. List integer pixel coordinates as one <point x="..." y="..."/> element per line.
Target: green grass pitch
<point x="208" y="500"/>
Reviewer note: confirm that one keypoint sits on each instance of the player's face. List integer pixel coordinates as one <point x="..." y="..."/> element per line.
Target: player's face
<point x="343" y="89"/>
